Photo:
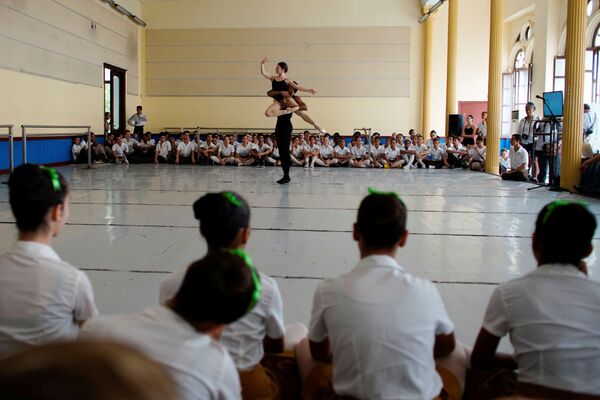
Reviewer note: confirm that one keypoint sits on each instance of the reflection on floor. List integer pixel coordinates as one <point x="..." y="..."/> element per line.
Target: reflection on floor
<point x="130" y="226"/>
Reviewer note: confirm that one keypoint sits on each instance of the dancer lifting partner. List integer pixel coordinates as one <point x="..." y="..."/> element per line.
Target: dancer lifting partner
<point x="284" y="96"/>
<point x="283" y="135"/>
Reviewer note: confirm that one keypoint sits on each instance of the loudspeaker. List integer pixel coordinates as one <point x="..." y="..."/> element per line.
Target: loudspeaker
<point x="455" y="124"/>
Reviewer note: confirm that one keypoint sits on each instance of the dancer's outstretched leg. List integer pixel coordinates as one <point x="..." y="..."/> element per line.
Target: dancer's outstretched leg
<point x="275" y="110"/>
<point x="304" y="115"/>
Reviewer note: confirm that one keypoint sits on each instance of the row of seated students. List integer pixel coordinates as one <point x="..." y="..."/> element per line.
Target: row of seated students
<point x="376" y="332"/>
<point x="306" y="150"/>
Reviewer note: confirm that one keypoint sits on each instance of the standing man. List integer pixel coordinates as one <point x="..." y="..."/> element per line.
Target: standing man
<point x="526" y="129"/>
<point x="138" y="121"/>
<point x="589" y="121"/>
<point x="482" y="127"/>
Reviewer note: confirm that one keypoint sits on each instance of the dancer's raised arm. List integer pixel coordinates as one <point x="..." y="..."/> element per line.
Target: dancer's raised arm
<point x="263" y="71"/>
<point x="299" y="88"/>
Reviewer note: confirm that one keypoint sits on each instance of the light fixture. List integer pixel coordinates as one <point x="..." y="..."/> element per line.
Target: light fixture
<point x="125" y="12"/>
<point x="433" y="8"/>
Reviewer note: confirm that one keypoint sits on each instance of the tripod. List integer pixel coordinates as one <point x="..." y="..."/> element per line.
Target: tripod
<point x="554" y="140"/>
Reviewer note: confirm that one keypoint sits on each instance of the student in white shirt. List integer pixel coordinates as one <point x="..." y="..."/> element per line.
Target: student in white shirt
<point x="296" y="152"/>
<point x="326" y="157"/>
<point x="260" y="151"/>
<point x="504" y="161"/>
<point x="183" y="334"/>
<point x="243" y="151"/>
<point x="131" y="143"/>
<point x="482" y="127"/>
<point x="138" y="121"/>
<point x="79" y="151"/>
<point x="377" y="327"/>
<point x="42" y="298"/>
<point x="145" y="149"/>
<point x="225" y="153"/>
<point x="422" y="152"/>
<point x="275" y="157"/>
<point x="225" y="224"/>
<point x="360" y="155"/>
<point x="310" y="152"/>
<point x="552" y="314"/>
<point x="83" y="370"/>
<point x="206" y="149"/>
<point x="518" y="161"/>
<point x="392" y="157"/>
<point x="342" y="153"/>
<point x="163" y="150"/>
<point x="408" y="153"/>
<point x="526" y="128"/>
<point x="437" y="156"/>
<point x="456" y="153"/>
<point x="377" y="153"/>
<point x="477" y="156"/>
<point x="119" y="151"/>
<point x="186" y="150"/>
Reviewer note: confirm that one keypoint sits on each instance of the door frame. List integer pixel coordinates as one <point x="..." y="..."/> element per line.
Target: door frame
<point x="121" y="74"/>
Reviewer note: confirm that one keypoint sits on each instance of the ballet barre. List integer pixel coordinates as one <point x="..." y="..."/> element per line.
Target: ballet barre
<point x="86" y="131"/>
<point x="231" y="131"/>
<point x="9" y="135"/>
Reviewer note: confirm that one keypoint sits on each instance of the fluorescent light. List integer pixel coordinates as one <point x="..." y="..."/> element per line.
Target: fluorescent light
<point x="125" y="12"/>
<point x="423" y="18"/>
<point x="138" y="21"/>
<point x="436" y="6"/>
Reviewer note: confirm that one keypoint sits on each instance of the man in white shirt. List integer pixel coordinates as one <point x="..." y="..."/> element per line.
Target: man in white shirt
<point x="131" y="143"/>
<point x="456" y="153"/>
<point x="551" y="314"/>
<point x="379" y="326"/>
<point x="183" y="335"/>
<point x="482" y="127"/>
<point x="360" y="155"/>
<point x="342" y="153"/>
<point x="206" y="149"/>
<point x="310" y="152"/>
<point x="260" y="151"/>
<point x="477" y="156"/>
<point x="326" y="157"/>
<point x="526" y="129"/>
<point x="392" y="157"/>
<point x="42" y="298"/>
<point x="243" y="152"/>
<point x="589" y="121"/>
<point x="163" y="150"/>
<point x="408" y="153"/>
<point x="79" y="151"/>
<point x="422" y="152"/>
<point x="186" y="150"/>
<point x="119" y="151"/>
<point x="518" y="161"/>
<point x="145" y="149"/>
<point x="437" y="156"/>
<point x="225" y="153"/>
<point x="138" y="121"/>
<point x="377" y="153"/>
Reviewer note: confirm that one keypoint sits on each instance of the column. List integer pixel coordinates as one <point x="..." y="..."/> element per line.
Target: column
<point x="494" y="107"/>
<point x="451" y="103"/>
<point x="574" y="86"/>
<point x="427" y="75"/>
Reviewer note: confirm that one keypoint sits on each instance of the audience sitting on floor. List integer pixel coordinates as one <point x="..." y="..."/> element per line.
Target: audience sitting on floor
<point x="519" y="159"/>
<point x="219" y="333"/>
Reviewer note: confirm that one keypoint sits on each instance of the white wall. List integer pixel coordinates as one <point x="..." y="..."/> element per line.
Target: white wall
<point x="51" y="69"/>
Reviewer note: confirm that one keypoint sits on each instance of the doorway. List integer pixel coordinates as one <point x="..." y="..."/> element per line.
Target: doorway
<point x="114" y="99"/>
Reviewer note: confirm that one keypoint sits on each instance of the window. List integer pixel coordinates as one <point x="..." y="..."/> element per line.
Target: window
<point x="507" y="87"/>
<point x="527" y="33"/>
<point x="590" y="8"/>
<point x="521" y="81"/>
<point x="559" y="74"/>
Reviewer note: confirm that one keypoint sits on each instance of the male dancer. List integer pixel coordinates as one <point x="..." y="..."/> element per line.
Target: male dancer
<point x="283" y="134"/>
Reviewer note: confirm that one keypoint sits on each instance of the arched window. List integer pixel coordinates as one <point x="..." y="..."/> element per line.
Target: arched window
<point x="521" y="81"/>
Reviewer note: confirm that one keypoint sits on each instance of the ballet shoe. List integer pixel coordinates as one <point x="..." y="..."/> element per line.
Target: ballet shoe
<point x="284" y="180"/>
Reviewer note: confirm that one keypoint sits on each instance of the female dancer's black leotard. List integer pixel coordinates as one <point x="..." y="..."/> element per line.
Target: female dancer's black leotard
<point x="468" y="140"/>
<point x="279" y="86"/>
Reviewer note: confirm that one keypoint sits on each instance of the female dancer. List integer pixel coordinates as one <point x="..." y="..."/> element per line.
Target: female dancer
<point x="469" y="133"/>
<point x="284" y="96"/>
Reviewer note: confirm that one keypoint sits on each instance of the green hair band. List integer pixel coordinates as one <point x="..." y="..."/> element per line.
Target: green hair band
<point x="232" y="199"/>
<point x="54" y="178"/>
<point x="380" y="193"/>
<point x="552" y="207"/>
<point x="256" y="293"/>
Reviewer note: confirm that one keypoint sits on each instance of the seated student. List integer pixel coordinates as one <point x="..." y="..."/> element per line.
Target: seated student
<point x="408" y="153"/>
<point x="326" y="157"/>
<point x="377" y="153"/>
<point x="85" y="371"/>
<point x="274" y="158"/>
<point x="456" y="154"/>
<point x="412" y="136"/>
<point x="296" y="152"/>
<point x="108" y="147"/>
<point x="163" y="151"/>
<point x="477" y="156"/>
<point x="392" y="157"/>
<point x="360" y="155"/>
<point x="225" y="224"/>
<point x="519" y="159"/>
<point x="552" y="314"/>
<point x="119" y="151"/>
<point x="42" y="298"/>
<point x="310" y="152"/>
<point x="243" y="151"/>
<point x="145" y="149"/>
<point x="186" y="150"/>
<point x="432" y="135"/>
<point x="132" y="144"/>
<point x="590" y="176"/>
<point x="79" y="151"/>
<point x="225" y="153"/>
<point x="207" y="149"/>
<point x="260" y="151"/>
<point x="504" y="161"/>
<point x="378" y="328"/>
<point x="98" y="152"/>
<point x="422" y="152"/>
<point x="342" y="153"/>
<point x="437" y="156"/>
<point x="183" y="334"/>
